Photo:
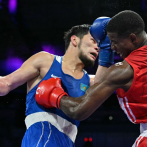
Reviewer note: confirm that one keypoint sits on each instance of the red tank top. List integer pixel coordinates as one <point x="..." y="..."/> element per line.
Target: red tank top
<point x="134" y="101"/>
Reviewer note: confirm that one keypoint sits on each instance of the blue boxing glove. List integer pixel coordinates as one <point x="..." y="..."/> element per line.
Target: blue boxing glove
<point x="98" y="32"/>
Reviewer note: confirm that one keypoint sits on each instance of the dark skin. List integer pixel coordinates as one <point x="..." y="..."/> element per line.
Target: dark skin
<point x="117" y="76"/>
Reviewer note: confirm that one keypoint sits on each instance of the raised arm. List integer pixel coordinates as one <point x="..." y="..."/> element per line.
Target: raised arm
<point x="30" y="69"/>
<point x="119" y="76"/>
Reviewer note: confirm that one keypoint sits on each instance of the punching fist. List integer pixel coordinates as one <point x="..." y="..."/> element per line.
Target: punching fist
<point x="98" y="32"/>
<point x="49" y="93"/>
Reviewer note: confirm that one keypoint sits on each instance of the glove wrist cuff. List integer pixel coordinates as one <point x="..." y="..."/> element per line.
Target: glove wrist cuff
<point x="59" y="98"/>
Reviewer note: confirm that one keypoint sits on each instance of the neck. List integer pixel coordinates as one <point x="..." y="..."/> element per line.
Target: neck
<point x="72" y="62"/>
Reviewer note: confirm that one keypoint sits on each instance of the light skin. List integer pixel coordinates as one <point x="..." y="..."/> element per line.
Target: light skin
<point x="36" y="67"/>
<point x="119" y="75"/>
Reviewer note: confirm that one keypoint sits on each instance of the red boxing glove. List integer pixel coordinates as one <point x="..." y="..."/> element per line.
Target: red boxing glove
<point x="49" y="93"/>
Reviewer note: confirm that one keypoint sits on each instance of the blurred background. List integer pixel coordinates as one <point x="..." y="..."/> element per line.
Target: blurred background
<point x="30" y="26"/>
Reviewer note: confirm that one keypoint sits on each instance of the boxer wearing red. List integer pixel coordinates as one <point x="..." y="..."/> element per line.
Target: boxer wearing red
<point x="126" y="31"/>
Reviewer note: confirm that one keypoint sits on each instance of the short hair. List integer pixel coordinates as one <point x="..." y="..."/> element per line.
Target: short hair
<point x="79" y="31"/>
<point x="126" y="22"/>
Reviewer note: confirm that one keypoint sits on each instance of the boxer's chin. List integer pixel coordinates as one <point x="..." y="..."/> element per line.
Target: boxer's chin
<point x="86" y="61"/>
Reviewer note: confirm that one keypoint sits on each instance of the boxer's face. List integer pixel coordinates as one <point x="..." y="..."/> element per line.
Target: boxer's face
<point x="122" y="45"/>
<point x="88" y="50"/>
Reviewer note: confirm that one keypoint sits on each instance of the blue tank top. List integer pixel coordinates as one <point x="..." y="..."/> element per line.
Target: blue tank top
<point x="74" y="87"/>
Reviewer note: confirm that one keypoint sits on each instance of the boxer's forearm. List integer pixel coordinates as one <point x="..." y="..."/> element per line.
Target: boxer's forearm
<point x="82" y="107"/>
<point x="4" y="86"/>
<point x="71" y="107"/>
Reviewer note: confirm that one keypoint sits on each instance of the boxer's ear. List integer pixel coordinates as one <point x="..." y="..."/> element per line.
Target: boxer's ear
<point x="74" y="40"/>
<point x="133" y="38"/>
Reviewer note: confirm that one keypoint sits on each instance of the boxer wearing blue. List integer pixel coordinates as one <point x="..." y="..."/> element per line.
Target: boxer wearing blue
<point x="51" y="127"/>
<point x="47" y="126"/>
